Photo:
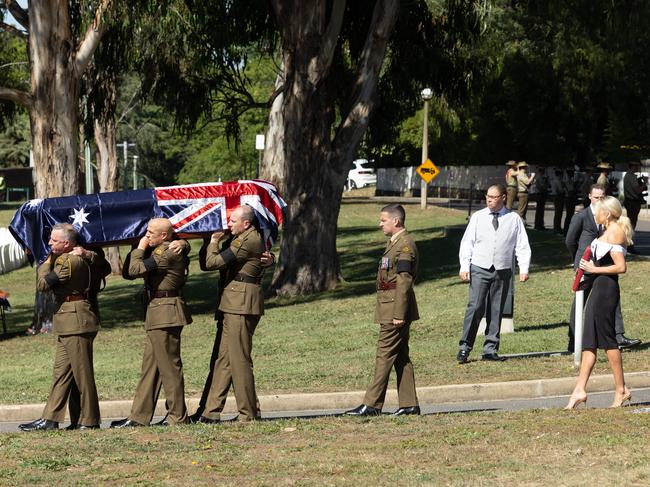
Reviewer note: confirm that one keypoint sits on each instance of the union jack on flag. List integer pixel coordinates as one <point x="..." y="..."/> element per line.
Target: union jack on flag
<point x="110" y="218"/>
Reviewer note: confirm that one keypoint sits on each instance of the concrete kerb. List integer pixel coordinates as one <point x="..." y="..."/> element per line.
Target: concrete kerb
<point x="524" y="389"/>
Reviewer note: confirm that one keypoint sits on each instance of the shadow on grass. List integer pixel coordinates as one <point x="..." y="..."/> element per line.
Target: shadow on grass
<point x="545" y="326"/>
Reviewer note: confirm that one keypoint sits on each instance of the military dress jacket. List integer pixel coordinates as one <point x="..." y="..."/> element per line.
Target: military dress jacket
<point x="164" y="272"/>
<point x="242" y="291"/>
<point x="395" y="279"/>
<point x="69" y="280"/>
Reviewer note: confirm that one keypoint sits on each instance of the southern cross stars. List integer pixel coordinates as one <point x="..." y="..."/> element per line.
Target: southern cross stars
<point x="79" y="217"/>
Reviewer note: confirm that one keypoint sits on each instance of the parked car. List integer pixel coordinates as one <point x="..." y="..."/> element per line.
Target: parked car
<point x="361" y="174"/>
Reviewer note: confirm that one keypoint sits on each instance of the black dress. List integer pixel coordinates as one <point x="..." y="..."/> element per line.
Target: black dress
<point x="600" y="310"/>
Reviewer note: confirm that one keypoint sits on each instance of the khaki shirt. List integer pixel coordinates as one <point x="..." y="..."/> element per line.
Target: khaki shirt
<point x="162" y="270"/>
<point x="69" y="276"/>
<point x="398" y="266"/>
<point x="511" y="178"/>
<point x="243" y="257"/>
<point x="523" y="182"/>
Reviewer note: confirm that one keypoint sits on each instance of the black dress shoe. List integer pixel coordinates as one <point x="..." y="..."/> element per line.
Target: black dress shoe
<point x="125" y="423"/>
<point x="162" y="422"/>
<point x="363" y="410"/>
<point x="39" y="424"/>
<point x="406" y="411"/>
<point x="76" y="426"/>
<point x="492" y="357"/>
<point x="204" y="420"/>
<point x="194" y="418"/>
<point x="624" y="342"/>
<point x="463" y="356"/>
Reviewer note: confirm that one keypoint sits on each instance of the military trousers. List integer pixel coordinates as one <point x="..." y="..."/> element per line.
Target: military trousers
<point x="161" y="366"/>
<point x="74" y="374"/>
<point x="511" y="196"/>
<point x="392" y="351"/>
<point x="234" y="366"/>
<point x="523" y="204"/>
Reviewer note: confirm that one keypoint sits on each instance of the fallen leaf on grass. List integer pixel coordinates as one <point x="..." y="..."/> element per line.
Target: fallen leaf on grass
<point x="289" y="429"/>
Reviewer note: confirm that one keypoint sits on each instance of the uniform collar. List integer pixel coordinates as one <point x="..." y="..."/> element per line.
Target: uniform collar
<point x="397" y="235"/>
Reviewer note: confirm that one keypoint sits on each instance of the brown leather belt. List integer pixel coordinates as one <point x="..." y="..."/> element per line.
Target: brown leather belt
<point x="248" y="279"/>
<point x="74" y="297"/>
<point x="384" y="286"/>
<point x="164" y="294"/>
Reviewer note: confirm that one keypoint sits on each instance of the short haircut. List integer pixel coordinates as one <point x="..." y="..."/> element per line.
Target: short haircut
<point x="163" y="225"/>
<point x="69" y="232"/>
<point x="500" y="187"/>
<point x="395" y="211"/>
<point x="596" y="186"/>
<point x="247" y="213"/>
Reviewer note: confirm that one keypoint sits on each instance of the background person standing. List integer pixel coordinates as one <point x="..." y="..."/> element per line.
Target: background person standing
<point x="523" y="185"/>
<point x="542" y="186"/>
<point x="558" y="188"/>
<point x="511" y="183"/>
<point x="633" y="188"/>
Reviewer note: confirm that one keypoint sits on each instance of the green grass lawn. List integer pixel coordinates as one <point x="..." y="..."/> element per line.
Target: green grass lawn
<point x="553" y="447"/>
<point x="327" y="342"/>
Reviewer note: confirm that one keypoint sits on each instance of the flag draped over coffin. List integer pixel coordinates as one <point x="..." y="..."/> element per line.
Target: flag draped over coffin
<point x="110" y="218"/>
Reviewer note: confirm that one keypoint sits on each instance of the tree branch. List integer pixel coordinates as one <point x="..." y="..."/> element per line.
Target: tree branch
<point x="91" y="39"/>
<point x="17" y="96"/>
<point x="13" y="30"/>
<point x="19" y="13"/>
<point x="320" y="65"/>
<point x="355" y="123"/>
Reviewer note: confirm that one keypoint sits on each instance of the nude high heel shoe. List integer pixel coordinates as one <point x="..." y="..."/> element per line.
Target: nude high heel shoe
<point x="574" y="402"/>
<point x="627" y="397"/>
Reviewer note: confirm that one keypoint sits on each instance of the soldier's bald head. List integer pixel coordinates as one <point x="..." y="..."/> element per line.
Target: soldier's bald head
<point x="163" y="226"/>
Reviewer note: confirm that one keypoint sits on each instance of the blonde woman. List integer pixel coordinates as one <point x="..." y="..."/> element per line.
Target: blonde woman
<point x="601" y="271"/>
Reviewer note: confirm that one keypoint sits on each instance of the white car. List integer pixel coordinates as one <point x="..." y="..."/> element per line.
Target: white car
<point x="361" y="175"/>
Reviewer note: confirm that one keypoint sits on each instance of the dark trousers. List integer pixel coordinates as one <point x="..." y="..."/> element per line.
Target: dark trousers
<point x="539" y="212"/>
<point x="488" y="291"/>
<point x="558" y="209"/>
<point x="633" y="209"/>
<point x="570" y="205"/>
<point x="392" y="351"/>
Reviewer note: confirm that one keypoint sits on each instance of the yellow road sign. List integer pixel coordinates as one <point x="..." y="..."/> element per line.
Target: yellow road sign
<point x="428" y="171"/>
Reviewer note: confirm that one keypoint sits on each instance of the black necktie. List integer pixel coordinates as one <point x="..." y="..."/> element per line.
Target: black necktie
<point x="495" y="220"/>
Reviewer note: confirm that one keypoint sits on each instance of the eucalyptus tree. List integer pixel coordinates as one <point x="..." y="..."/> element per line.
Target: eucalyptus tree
<point x="334" y="59"/>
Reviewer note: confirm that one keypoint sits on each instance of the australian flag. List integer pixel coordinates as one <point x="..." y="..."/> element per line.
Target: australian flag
<point x="113" y="218"/>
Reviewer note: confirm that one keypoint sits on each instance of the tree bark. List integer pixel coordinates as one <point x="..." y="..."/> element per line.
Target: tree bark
<point x="306" y="156"/>
<point x="107" y="164"/>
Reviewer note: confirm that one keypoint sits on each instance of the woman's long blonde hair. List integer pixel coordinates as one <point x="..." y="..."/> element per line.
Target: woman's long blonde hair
<point x="614" y="208"/>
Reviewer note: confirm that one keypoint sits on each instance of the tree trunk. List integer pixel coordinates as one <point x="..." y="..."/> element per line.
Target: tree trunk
<point x="55" y="97"/>
<point x="305" y="157"/>
<point x="107" y="163"/>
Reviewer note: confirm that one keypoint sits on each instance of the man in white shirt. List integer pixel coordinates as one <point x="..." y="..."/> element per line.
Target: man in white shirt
<point x="492" y="236"/>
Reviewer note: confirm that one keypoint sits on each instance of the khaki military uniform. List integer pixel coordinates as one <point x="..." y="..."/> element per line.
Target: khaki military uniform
<point x="523" y="182"/>
<point x="164" y="273"/>
<point x="395" y="300"/>
<point x="75" y="325"/>
<point x="511" y="188"/>
<point x="242" y="305"/>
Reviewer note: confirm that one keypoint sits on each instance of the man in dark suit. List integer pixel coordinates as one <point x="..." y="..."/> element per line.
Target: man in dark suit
<point x="582" y="231"/>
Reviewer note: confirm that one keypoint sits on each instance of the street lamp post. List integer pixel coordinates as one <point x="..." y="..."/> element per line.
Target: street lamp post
<point x="426" y="94"/>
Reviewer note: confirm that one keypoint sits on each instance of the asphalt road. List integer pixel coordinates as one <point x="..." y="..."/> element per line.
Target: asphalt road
<point x="640" y="403"/>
